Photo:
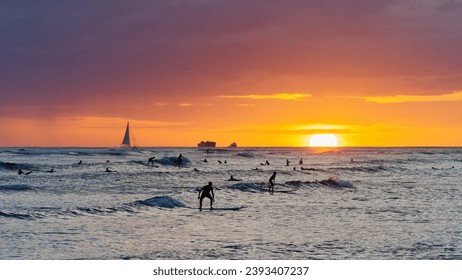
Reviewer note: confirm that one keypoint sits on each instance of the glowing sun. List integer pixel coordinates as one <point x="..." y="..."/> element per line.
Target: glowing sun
<point x="323" y="140"/>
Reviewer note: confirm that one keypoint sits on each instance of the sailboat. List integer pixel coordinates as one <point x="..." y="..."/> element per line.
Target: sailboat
<point x="129" y="139"/>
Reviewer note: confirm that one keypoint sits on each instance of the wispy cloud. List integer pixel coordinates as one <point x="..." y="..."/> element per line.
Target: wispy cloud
<point x="456" y="96"/>
<point x="295" y="129"/>
<point x="279" y="96"/>
<point x="185" y="104"/>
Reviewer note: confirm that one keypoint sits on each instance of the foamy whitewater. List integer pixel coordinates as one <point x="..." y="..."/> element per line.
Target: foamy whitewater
<point x="347" y="203"/>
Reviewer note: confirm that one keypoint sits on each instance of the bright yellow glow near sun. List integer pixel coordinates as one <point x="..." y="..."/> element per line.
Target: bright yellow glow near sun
<point x="323" y="140"/>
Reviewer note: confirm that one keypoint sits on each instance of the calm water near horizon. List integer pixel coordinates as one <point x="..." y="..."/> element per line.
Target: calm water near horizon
<point x="344" y="203"/>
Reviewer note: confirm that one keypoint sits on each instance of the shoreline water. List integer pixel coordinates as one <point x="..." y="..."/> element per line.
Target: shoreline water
<point x="389" y="205"/>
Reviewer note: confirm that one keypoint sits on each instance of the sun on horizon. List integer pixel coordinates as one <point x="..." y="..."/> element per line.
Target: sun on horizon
<point x="323" y="140"/>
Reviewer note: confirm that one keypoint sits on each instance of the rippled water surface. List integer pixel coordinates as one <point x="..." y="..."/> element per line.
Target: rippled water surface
<point x="349" y="203"/>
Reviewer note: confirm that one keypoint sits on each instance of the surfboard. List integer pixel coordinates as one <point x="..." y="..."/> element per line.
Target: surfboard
<point x="223" y="208"/>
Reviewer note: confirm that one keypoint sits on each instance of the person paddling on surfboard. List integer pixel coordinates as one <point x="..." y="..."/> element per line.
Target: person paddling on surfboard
<point x="271" y="181"/>
<point x="233" y="179"/>
<point x="206" y="191"/>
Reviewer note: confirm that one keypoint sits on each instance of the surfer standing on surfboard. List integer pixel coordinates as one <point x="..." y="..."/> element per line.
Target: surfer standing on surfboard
<point x="206" y="191"/>
<point x="271" y="181"/>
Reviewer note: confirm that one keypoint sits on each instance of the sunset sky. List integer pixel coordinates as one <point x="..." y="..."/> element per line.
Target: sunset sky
<point x="261" y="73"/>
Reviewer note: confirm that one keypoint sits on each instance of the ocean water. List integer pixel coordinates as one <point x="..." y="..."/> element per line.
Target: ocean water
<point x="346" y="203"/>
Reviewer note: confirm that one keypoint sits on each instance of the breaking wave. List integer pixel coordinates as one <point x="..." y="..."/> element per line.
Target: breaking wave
<point x="18" y="187"/>
<point x="247" y="187"/>
<point x="20" y="216"/>
<point x="172" y="161"/>
<point x="290" y="186"/>
<point x="162" y="201"/>
<point x="336" y="183"/>
<point x="8" y="166"/>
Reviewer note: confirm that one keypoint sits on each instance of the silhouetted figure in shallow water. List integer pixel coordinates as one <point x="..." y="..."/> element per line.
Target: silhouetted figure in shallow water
<point x="206" y="191"/>
<point x="300" y="161"/>
<point x="271" y="181"/>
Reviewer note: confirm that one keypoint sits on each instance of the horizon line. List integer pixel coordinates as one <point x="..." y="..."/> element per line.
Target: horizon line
<point x="240" y="147"/>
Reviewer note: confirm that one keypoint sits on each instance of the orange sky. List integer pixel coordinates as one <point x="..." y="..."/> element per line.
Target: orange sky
<point x="261" y="73"/>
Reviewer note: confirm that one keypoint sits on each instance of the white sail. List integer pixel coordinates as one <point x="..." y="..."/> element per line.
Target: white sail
<point x="129" y="139"/>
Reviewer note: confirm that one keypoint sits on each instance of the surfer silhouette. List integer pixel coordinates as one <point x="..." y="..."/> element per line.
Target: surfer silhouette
<point x="180" y="160"/>
<point x="233" y="179"/>
<point x="151" y="161"/>
<point x="271" y="181"/>
<point x="300" y="161"/>
<point x="20" y="172"/>
<point x="109" y="170"/>
<point x="206" y="191"/>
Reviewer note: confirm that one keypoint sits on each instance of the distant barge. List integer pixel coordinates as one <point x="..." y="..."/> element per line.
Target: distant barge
<point x="207" y="144"/>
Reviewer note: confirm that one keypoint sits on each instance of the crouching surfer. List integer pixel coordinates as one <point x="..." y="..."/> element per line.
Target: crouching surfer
<point x="271" y="181"/>
<point x="206" y="191"/>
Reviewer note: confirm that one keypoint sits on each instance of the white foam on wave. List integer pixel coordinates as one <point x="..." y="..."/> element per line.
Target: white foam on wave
<point x="164" y="201"/>
<point x="173" y="161"/>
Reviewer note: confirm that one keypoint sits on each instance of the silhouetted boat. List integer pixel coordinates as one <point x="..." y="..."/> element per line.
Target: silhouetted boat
<point x="207" y="144"/>
<point x="129" y="139"/>
<point x="233" y="145"/>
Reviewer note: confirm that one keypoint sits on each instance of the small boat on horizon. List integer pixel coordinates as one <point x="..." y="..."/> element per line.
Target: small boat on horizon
<point x="233" y="145"/>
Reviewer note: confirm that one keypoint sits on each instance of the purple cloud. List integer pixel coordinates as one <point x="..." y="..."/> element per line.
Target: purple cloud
<point x="70" y="56"/>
